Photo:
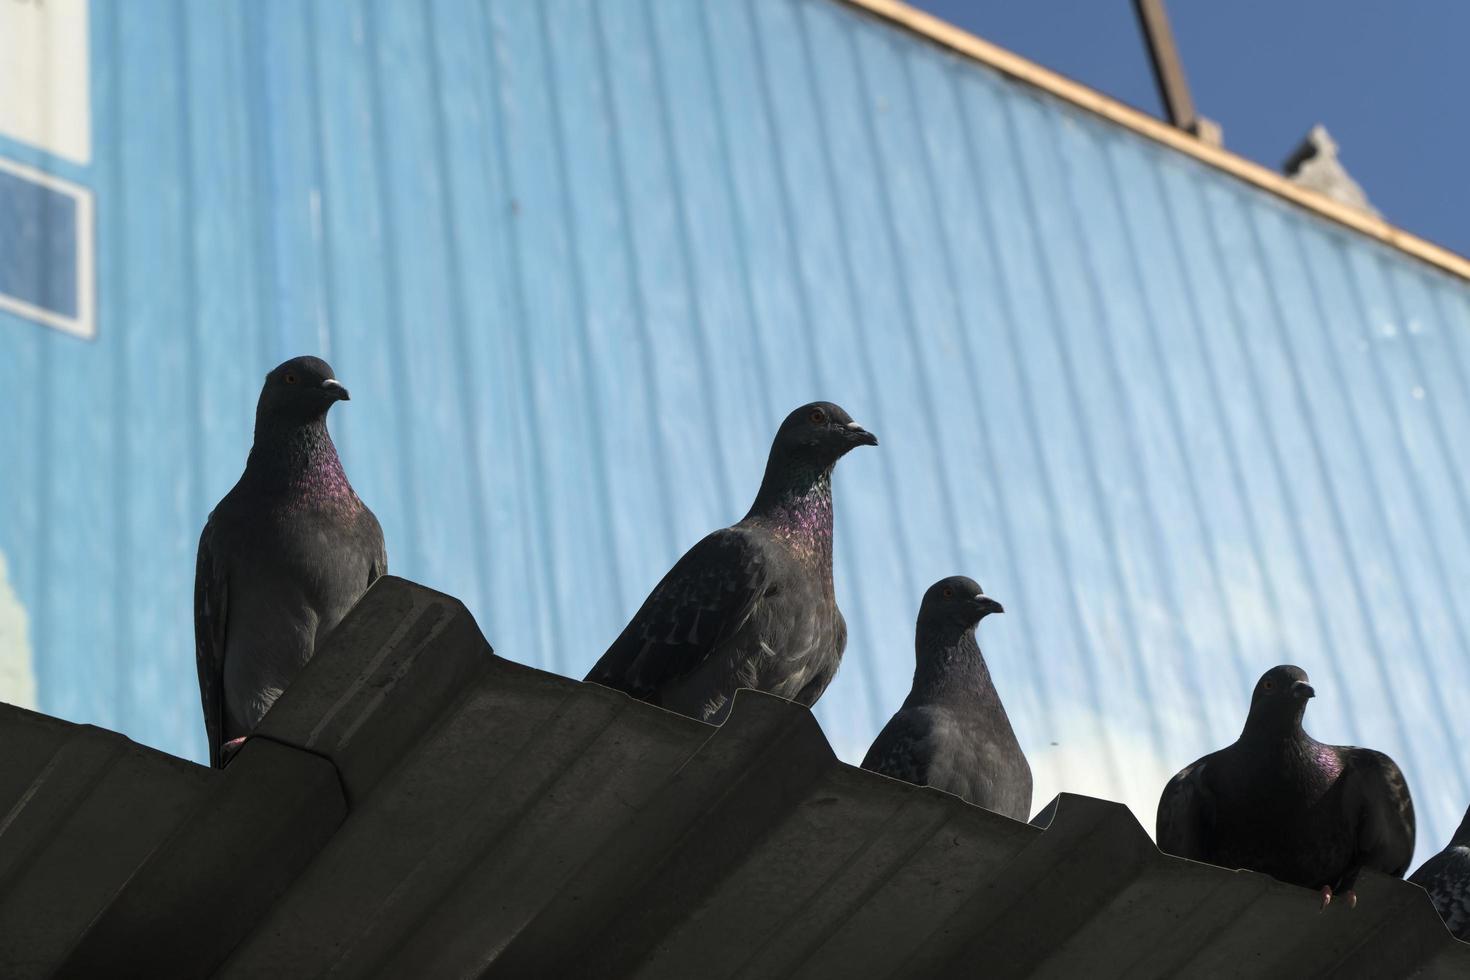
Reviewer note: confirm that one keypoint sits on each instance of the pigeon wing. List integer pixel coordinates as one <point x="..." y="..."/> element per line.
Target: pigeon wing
<point x="706" y="598"/>
<point x="1446" y="877"/>
<point x="379" y="566"/>
<point x="1186" y="815"/>
<point x="814" y="688"/>
<point x="211" y="606"/>
<point x="1374" y="788"/>
<point x="903" y="748"/>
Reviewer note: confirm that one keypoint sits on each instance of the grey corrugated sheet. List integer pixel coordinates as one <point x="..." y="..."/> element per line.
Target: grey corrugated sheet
<point x="489" y="819"/>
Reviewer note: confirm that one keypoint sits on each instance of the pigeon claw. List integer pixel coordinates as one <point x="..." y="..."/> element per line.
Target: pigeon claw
<point x="1352" y="899"/>
<point x="1327" y="897"/>
<point x="228" y="750"/>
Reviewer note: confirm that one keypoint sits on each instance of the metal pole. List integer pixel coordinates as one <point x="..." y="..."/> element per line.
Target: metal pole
<point x="1169" y="72"/>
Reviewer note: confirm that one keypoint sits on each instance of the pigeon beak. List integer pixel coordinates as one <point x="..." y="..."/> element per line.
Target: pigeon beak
<point x="336" y="390"/>
<point x="1303" y="690"/>
<point x="988" y="605"/>
<point x="860" y="435"/>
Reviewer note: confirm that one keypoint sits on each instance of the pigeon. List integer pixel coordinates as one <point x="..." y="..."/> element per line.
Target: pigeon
<point x="1446" y="877"/>
<point x="282" y="557"/>
<point x="1279" y="802"/>
<point x="751" y="605"/>
<point x="952" y="732"/>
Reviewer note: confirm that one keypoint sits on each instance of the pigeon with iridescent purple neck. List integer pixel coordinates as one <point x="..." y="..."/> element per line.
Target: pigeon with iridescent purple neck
<point x="1280" y="802"/>
<point x="751" y="605"/>
<point x="952" y="732"/>
<point x="283" y="557"/>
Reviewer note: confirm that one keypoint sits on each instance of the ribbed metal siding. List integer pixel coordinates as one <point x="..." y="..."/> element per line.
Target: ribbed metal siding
<point x="575" y="259"/>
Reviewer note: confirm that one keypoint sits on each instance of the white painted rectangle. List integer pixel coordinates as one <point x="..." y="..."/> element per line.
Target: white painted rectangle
<point x="45" y="94"/>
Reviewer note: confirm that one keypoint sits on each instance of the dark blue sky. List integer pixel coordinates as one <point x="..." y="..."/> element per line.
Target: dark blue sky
<point x="1391" y="81"/>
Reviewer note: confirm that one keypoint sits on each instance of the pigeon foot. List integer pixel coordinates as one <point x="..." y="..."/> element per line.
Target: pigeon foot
<point x="228" y="750"/>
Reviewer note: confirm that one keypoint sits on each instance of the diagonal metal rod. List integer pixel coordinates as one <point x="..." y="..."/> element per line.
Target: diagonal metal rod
<point x="1169" y="71"/>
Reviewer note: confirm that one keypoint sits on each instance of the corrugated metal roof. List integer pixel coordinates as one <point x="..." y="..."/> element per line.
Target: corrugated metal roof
<point x="415" y="806"/>
<point x="1182" y="429"/>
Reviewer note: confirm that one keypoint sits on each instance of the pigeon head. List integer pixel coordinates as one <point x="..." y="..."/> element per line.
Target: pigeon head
<point x="957" y="600"/>
<point x="796" y="491"/>
<point x="1280" y="699"/>
<point x="299" y="391"/>
<point x="819" y="434"/>
<point x="947" y="656"/>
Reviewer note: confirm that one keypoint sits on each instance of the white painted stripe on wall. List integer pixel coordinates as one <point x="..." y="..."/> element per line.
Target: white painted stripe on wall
<point x="17" y="668"/>
<point x="45" y="96"/>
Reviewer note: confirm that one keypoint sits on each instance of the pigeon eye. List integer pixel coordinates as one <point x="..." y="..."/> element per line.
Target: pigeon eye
<point x="290" y="378"/>
<point x="818" y="416"/>
<point x="1268" y="686"/>
<point x="948" y="592"/>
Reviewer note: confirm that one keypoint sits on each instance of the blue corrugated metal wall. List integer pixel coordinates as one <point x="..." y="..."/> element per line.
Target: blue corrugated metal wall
<point x="575" y="260"/>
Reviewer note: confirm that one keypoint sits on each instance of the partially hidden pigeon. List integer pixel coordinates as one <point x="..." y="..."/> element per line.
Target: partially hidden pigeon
<point x="952" y="732"/>
<point x="1446" y="877"/>
<point x="283" y="557"/>
<point x="1279" y="802"/>
<point x="751" y="605"/>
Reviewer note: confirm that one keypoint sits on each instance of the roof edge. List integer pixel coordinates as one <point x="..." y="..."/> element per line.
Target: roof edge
<point x="1008" y="63"/>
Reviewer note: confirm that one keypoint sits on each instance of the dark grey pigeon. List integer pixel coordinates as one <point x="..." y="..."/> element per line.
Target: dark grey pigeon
<point x="282" y="558"/>
<point x="952" y="732"/>
<point x="751" y="605"/>
<point x="1446" y="877"/>
<point x="1279" y="802"/>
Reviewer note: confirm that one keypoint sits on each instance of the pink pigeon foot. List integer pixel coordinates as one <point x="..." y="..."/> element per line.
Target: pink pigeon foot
<point x="228" y="750"/>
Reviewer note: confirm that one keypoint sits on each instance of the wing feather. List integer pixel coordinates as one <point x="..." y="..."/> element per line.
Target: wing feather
<point x="1446" y="877"/>
<point x="379" y="566"/>
<point x="1375" y="788"/>
<point x="1186" y="814"/>
<point x="709" y="594"/>
<point x="902" y="748"/>
<point x="211" y="609"/>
